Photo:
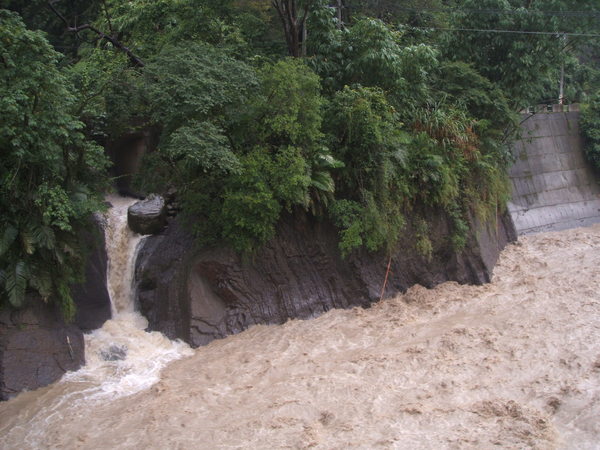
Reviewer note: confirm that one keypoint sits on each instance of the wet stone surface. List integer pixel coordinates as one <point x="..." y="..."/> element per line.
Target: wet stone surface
<point x="148" y="216"/>
<point x="114" y="353"/>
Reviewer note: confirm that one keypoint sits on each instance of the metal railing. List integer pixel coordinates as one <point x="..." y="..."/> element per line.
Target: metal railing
<point x="551" y="108"/>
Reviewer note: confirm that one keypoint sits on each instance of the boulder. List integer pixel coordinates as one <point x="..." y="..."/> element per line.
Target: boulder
<point x="114" y="353"/>
<point x="126" y="153"/>
<point x="201" y="295"/>
<point x="36" y="347"/>
<point x="147" y="216"/>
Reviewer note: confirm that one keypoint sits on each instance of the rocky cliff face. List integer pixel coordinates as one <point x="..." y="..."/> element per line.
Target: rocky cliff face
<point x="36" y="348"/>
<point x="201" y="295"/>
<point x="36" y="345"/>
<point x="92" y="299"/>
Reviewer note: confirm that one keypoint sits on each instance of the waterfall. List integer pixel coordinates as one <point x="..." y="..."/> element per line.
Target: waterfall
<point x="121" y="248"/>
<point x="121" y="357"/>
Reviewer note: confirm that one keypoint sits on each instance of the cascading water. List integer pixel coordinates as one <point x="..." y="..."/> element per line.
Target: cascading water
<point x="121" y="248"/>
<point x="122" y="358"/>
<point x="511" y="364"/>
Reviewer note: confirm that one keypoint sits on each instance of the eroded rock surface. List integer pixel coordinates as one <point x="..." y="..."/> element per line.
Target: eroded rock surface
<point x="202" y="295"/>
<point x="36" y="348"/>
<point x="91" y="297"/>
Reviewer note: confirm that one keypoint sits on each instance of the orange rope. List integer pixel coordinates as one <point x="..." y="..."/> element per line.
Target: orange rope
<point x="386" y="278"/>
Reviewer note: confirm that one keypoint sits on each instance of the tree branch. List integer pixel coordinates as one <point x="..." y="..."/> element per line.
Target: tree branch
<point x="291" y="13"/>
<point x="110" y="27"/>
<point x="281" y="11"/>
<point x="76" y="29"/>
<point x="58" y="14"/>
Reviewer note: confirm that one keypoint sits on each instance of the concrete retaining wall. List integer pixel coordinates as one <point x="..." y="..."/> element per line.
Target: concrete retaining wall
<point x="553" y="186"/>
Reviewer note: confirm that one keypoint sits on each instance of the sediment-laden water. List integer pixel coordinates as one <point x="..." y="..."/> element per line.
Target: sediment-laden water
<point x="513" y="364"/>
<point x="122" y="358"/>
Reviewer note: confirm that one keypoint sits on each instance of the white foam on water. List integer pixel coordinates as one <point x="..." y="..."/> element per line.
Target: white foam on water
<point x="121" y="357"/>
<point x="144" y="354"/>
<point x="511" y="364"/>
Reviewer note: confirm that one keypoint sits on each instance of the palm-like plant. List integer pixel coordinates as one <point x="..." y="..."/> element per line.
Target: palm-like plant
<point x="48" y="171"/>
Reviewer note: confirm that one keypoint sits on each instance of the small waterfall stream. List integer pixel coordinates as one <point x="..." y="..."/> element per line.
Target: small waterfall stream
<point x="121" y="357"/>
<point x="121" y="248"/>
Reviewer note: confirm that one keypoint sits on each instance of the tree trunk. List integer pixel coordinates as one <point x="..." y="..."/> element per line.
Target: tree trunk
<point x="294" y="24"/>
<point x="304" y="39"/>
<point x="340" y="6"/>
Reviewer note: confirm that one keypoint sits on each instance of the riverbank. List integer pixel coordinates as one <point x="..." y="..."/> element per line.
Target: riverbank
<point x="515" y="363"/>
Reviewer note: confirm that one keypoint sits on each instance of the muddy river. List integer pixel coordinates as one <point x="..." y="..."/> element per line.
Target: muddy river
<point x="513" y="364"/>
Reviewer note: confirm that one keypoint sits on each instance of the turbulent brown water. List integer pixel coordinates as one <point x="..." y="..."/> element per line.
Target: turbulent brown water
<point x="121" y="358"/>
<point x="513" y="364"/>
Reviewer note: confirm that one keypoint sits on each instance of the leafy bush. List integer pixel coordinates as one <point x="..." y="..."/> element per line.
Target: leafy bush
<point x="49" y="172"/>
<point x="240" y="145"/>
<point x="590" y="128"/>
<point x="250" y="209"/>
<point x="367" y="137"/>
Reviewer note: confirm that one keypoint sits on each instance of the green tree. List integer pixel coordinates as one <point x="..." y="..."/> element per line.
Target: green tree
<point x="49" y="171"/>
<point x="522" y="64"/>
<point x="367" y="136"/>
<point x="37" y="16"/>
<point x="372" y="54"/>
<point x="193" y="90"/>
<point x="590" y="128"/>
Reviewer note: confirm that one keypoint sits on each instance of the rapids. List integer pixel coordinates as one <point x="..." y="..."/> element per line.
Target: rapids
<point x="122" y="358"/>
<point x="512" y="364"/>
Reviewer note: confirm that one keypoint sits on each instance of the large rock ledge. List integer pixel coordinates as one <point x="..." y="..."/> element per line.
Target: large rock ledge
<point x="36" y="348"/>
<point x="202" y="295"/>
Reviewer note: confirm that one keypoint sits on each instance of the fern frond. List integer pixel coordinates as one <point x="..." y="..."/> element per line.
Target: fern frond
<point x="8" y="237"/>
<point x="322" y="181"/>
<point x="41" y="281"/>
<point x="28" y="241"/>
<point x="43" y="236"/>
<point x="15" y="284"/>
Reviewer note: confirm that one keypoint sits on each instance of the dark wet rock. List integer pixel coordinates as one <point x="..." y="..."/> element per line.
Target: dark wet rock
<point x="36" y="348"/>
<point x="173" y="207"/>
<point x="126" y="152"/>
<point x="147" y="216"/>
<point x="91" y="298"/>
<point x="201" y="295"/>
<point x="114" y="353"/>
<point x="170" y="195"/>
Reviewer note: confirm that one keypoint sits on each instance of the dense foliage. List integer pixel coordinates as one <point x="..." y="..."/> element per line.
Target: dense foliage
<point x="371" y="114"/>
<point x="590" y="128"/>
<point x="49" y="171"/>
